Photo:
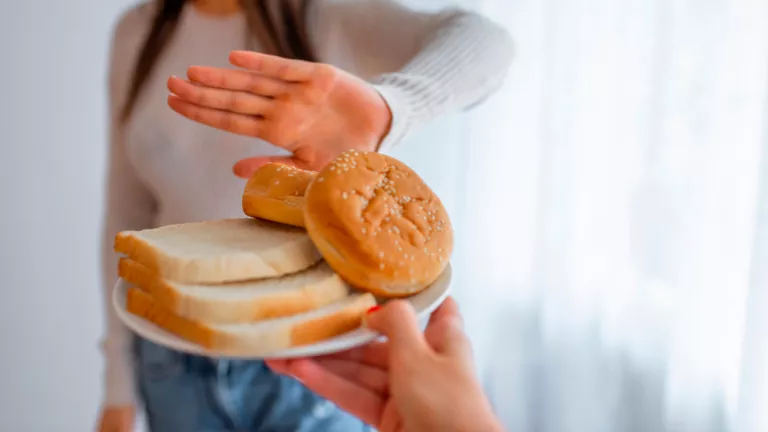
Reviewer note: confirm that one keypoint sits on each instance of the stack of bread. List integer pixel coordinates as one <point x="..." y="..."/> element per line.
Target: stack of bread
<point x="313" y="252"/>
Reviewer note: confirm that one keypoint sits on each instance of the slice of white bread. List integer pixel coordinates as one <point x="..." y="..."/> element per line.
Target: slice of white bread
<point x="227" y="250"/>
<point x="261" y="338"/>
<point x="240" y="302"/>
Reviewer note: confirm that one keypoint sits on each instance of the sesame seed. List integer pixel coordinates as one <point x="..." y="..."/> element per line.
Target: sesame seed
<point x="344" y="195"/>
<point x="381" y="266"/>
<point x="405" y="256"/>
<point x="364" y="230"/>
<point x="320" y="179"/>
<point x="381" y="254"/>
<point x="277" y="181"/>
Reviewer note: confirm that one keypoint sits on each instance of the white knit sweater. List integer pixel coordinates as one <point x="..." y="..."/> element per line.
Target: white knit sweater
<point x="166" y="169"/>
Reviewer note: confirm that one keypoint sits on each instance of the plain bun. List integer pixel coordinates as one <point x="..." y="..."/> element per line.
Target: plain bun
<point x="275" y="192"/>
<point x="378" y="225"/>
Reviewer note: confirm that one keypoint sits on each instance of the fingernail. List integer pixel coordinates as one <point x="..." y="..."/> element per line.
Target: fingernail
<point x="373" y="309"/>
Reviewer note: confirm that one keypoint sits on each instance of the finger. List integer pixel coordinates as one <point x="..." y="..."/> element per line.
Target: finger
<point x="237" y="80"/>
<point x="369" y="377"/>
<point x="447" y="309"/>
<point x="445" y="334"/>
<point x="279" y="366"/>
<point x="445" y="331"/>
<point x="398" y="322"/>
<point x="274" y="66"/>
<point x="246" y="167"/>
<point x="240" y="124"/>
<point x="358" y="401"/>
<point x="225" y="100"/>
<point x="374" y="354"/>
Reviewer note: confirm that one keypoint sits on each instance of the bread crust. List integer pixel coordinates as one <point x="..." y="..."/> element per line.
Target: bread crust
<point x="378" y="224"/>
<point x="316" y="293"/>
<point x="141" y="303"/>
<point x="275" y="192"/>
<point x="253" y="341"/>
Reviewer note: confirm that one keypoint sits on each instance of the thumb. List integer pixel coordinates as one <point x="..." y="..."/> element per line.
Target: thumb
<point x="398" y="322"/>
<point x="246" y="167"/>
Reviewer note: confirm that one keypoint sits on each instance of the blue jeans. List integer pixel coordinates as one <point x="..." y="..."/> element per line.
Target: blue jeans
<point x="186" y="393"/>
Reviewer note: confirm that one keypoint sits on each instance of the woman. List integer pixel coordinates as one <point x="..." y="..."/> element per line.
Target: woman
<point x="411" y="382"/>
<point x="404" y="69"/>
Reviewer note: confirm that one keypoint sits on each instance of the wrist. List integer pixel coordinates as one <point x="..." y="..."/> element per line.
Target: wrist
<point x="380" y="121"/>
<point x="484" y="419"/>
<point x="399" y="116"/>
<point x="495" y="425"/>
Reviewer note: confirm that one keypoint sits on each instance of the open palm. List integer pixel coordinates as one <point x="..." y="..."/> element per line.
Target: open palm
<point x="314" y="110"/>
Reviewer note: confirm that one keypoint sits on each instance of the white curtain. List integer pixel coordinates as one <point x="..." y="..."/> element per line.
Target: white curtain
<point x="616" y="218"/>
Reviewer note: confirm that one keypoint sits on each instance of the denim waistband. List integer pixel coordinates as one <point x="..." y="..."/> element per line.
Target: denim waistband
<point x="201" y="364"/>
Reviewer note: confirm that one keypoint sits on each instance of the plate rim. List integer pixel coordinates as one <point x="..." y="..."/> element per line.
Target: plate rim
<point x="353" y="339"/>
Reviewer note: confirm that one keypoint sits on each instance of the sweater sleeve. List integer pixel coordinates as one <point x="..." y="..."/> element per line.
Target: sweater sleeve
<point x="424" y="64"/>
<point x="129" y="205"/>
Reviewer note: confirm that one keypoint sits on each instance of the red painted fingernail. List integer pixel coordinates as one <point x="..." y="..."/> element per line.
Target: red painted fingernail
<point x="373" y="309"/>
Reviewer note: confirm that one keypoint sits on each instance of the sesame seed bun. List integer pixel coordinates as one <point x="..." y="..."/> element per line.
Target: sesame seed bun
<point x="275" y="192"/>
<point x="378" y="225"/>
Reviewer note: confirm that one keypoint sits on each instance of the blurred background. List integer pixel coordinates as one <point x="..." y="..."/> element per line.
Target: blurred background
<point x="610" y="202"/>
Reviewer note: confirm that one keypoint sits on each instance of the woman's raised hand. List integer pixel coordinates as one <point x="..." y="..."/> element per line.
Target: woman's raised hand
<point x="314" y="110"/>
<point x="412" y="382"/>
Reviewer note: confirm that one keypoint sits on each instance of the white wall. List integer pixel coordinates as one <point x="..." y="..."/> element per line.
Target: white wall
<point x="52" y="146"/>
<point x="52" y="133"/>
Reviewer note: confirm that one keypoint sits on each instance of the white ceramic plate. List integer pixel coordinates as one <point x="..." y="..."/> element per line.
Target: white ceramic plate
<point x="424" y="302"/>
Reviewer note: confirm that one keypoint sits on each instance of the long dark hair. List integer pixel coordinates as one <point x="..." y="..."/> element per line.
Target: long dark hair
<point x="280" y="25"/>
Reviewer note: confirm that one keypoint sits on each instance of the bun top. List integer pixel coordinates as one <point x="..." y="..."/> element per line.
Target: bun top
<point x="279" y="181"/>
<point x="378" y="224"/>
